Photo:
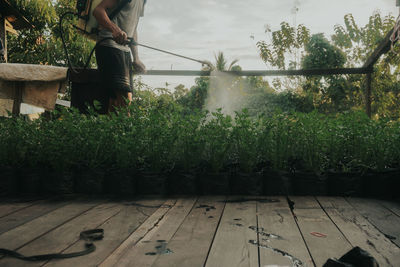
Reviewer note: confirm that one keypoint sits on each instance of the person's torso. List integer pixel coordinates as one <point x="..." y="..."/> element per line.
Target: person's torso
<point x="127" y="20"/>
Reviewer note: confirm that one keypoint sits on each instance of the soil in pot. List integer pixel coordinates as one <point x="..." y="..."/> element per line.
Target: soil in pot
<point x="306" y="183"/>
<point x="344" y="184"/>
<point x="180" y="183"/>
<point x="277" y="183"/>
<point x="149" y="183"/>
<point x="247" y="184"/>
<point x="382" y="184"/>
<point x="8" y="181"/>
<point x="214" y="183"/>
<point x="121" y="182"/>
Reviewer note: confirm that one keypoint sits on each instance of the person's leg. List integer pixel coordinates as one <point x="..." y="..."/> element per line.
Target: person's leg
<point x="121" y="100"/>
<point x="114" y="66"/>
<point x="123" y="94"/>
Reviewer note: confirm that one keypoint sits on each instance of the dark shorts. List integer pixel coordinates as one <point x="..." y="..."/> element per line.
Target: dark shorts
<point x="115" y="67"/>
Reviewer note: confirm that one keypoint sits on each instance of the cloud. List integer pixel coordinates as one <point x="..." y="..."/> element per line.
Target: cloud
<point x="200" y="28"/>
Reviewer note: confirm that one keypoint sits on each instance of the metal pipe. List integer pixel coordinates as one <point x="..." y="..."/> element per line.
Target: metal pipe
<point x="262" y="72"/>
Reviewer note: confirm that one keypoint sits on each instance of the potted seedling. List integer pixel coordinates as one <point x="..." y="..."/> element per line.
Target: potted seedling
<point x="216" y="135"/>
<point x="345" y="150"/>
<point x="382" y="177"/>
<point x="158" y="140"/>
<point x="309" y="149"/>
<point x="246" y="180"/>
<point x="186" y="151"/>
<point x="276" y="150"/>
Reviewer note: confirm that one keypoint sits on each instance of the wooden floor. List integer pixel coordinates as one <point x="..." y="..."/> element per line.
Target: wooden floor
<point x="204" y="231"/>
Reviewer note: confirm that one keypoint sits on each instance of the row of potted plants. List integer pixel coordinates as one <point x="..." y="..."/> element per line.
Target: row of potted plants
<point x="131" y="182"/>
<point x="155" y="137"/>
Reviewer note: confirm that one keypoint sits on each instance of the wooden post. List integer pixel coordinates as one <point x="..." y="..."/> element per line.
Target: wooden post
<point x="19" y="86"/>
<point x="368" y="95"/>
<point x="3" y="36"/>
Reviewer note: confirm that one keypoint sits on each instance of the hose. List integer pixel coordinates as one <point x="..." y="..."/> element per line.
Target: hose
<point x="63" y="39"/>
<point x="65" y="45"/>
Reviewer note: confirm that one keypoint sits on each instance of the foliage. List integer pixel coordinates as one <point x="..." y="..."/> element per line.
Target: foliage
<point x="159" y="136"/>
<point x="349" y="46"/>
<point x="284" y="45"/>
<point x="358" y="43"/>
<point x="42" y="44"/>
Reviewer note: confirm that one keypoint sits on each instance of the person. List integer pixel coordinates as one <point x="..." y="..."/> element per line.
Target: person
<point x="116" y="60"/>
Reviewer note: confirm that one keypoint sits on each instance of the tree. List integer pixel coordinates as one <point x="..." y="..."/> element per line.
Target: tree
<point x="222" y="65"/>
<point x="358" y="43"/>
<point x="280" y="52"/>
<point x="321" y="54"/>
<point x="350" y="46"/>
<point x="42" y="44"/>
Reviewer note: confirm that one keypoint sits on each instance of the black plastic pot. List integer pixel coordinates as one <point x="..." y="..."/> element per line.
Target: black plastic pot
<point x="30" y="180"/>
<point x="247" y="184"/>
<point x="384" y="184"/>
<point x="344" y="184"/>
<point x="180" y="183"/>
<point x="8" y="181"/>
<point x="306" y="183"/>
<point x="277" y="183"/>
<point x="89" y="181"/>
<point x="57" y="182"/>
<point x="150" y="183"/>
<point x="121" y="181"/>
<point x="214" y="183"/>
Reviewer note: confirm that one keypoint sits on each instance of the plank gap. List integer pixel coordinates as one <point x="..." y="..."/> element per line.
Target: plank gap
<point x="330" y="218"/>
<point x="291" y="205"/>
<point x="215" y="233"/>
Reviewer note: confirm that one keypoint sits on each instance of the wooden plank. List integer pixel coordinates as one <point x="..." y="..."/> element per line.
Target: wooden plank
<point x="360" y="232"/>
<point x="3" y="37"/>
<point x="382" y="48"/>
<point x="19" y="87"/>
<point x="392" y="206"/>
<point x="116" y="230"/>
<point x="193" y="240"/>
<point x="232" y="243"/>
<point x="7" y="89"/>
<point x="6" y="106"/>
<point x="10" y="28"/>
<point x="41" y="94"/>
<point x="278" y="233"/>
<point x="261" y="72"/>
<point x="28" y="214"/>
<point x="27" y="232"/>
<point x="130" y="243"/>
<point x="10" y="206"/>
<point x="142" y="253"/>
<point x="382" y="218"/>
<point x="64" y="236"/>
<point x="313" y="220"/>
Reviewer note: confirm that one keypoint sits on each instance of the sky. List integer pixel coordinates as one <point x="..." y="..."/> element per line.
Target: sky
<point x="201" y="28"/>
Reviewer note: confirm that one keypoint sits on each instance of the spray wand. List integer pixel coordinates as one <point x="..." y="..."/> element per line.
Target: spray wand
<point x="131" y="42"/>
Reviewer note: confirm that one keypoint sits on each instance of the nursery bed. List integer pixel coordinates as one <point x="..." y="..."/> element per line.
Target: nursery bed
<point x="201" y="231"/>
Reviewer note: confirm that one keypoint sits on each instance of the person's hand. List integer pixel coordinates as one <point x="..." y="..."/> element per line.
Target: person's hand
<point x="120" y="36"/>
<point x="139" y="67"/>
